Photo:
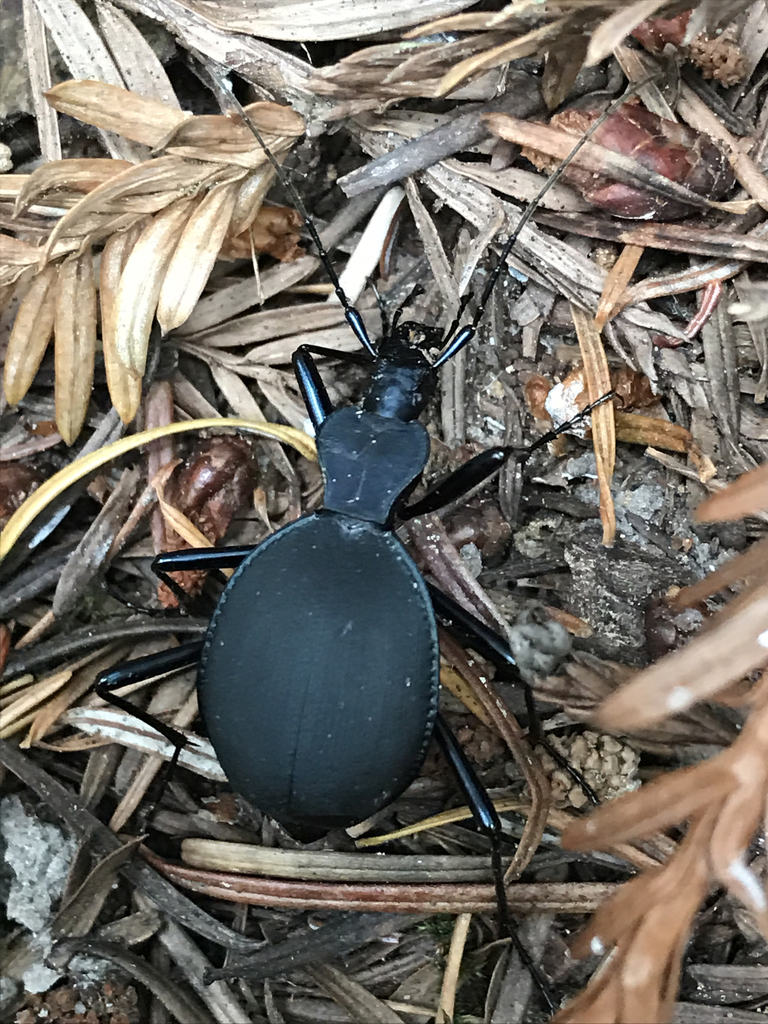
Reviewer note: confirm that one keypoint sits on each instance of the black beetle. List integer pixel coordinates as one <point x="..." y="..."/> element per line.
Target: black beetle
<point x="319" y="673"/>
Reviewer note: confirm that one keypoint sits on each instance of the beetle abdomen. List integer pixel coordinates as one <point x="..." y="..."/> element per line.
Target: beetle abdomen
<point x="319" y="685"/>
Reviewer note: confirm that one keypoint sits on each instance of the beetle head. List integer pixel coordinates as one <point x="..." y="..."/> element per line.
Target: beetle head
<point x="403" y="378"/>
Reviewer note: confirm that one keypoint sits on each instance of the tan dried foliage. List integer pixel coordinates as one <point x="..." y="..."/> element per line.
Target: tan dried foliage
<point x="422" y="65"/>
<point x="163" y="223"/>
<point x="645" y="926"/>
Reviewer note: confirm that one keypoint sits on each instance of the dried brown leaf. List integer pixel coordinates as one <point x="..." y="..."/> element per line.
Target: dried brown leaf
<point x="563" y="64"/>
<point x="524" y="46"/>
<point x="226" y="141"/>
<point x="124" y="386"/>
<point x="250" y="197"/>
<point x="666" y="802"/>
<point x="141" y="281"/>
<point x="142" y="189"/>
<point x="75" y="348"/>
<point x="632" y="428"/>
<point x="732" y="647"/>
<point x="745" y="496"/>
<point x="275" y="231"/>
<point x="617" y="26"/>
<point x="65" y="182"/>
<point x="32" y="330"/>
<point x="116" y="110"/>
<point x="194" y="256"/>
<point x="16" y="256"/>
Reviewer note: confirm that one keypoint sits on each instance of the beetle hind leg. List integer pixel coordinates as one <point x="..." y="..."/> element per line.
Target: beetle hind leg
<point x="488" y="821"/>
<point x="470" y="630"/>
<point x="137" y="671"/>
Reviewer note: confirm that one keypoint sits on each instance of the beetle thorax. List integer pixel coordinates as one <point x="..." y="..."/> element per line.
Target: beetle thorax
<point x="369" y="461"/>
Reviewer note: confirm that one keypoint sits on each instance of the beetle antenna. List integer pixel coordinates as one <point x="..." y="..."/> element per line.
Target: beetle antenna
<point x="550" y="435"/>
<point x="466" y="333"/>
<point x="352" y="316"/>
<point x="413" y="294"/>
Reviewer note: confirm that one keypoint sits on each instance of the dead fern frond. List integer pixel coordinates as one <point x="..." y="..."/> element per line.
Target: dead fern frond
<point x="163" y="224"/>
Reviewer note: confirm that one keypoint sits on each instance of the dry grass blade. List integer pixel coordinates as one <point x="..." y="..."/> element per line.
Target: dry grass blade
<point x="322" y="20"/>
<point x="724" y="798"/>
<point x="78" y="42"/>
<point x="110" y="726"/>
<point x="731" y="648"/>
<point x="153" y="763"/>
<point x="32" y="330"/>
<point x="141" y="68"/>
<point x="36" y="44"/>
<point x="616" y="282"/>
<point x="359" y="1003"/>
<point x="452" y="967"/>
<point x="647" y="924"/>
<point x="598" y="379"/>
<point x="75" y="331"/>
<point x="80" y="683"/>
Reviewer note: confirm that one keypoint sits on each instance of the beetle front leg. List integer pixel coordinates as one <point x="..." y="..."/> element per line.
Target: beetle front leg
<point x="482" y="467"/>
<point x="313" y="391"/>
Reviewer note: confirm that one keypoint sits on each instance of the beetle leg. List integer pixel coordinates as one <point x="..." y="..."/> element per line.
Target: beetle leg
<point x="200" y="558"/>
<point x="488" y="821"/>
<point x="137" y="671"/>
<point x="463" y="480"/>
<point x="480" y="468"/>
<point x="195" y="558"/>
<point x="319" y="405"/>
<point x="361" y="358"/>
<point x="489" y="644"/>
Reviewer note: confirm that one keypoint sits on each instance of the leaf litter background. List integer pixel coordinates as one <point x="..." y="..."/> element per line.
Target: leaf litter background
<point x="662" y="567"/>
